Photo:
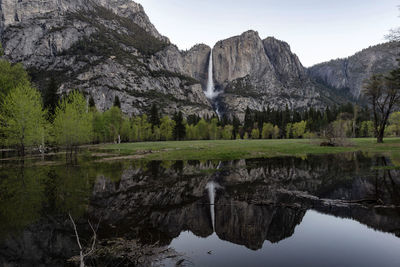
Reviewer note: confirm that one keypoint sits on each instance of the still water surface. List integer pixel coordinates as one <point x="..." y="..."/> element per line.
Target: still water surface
<point x="332" y="210"/>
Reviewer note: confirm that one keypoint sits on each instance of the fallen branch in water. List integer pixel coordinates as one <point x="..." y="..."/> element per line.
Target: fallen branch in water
<point x="82" y="255"/>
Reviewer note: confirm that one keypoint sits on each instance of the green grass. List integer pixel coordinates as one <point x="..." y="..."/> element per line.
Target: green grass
<point x="242" y="149"/>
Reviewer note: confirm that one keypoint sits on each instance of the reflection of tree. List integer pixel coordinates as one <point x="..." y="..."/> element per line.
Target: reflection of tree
<point x="387" y="190"/>
<point x="21" y="197"/>
<point x="26" y="193"/>
<point x="69" y="187"/>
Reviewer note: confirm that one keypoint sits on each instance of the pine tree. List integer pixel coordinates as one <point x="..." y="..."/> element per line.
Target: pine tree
<point x="154" y="117"/>
<point x="179" y="129"/>
<point x="236" y="126"/>
<point x="92" y="104"/>
<point x="117" y="103"/>
<point x="248" y="120"/>
<point x="50" y="97"/>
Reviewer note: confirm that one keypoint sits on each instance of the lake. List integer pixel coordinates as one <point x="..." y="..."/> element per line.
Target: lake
<point x="329" y="210"/>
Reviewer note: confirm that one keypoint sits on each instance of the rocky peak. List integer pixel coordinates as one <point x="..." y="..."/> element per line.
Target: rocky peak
<point x="240" y="56"/>
<point x="17" y="12"/>
<point x="258" y="73"/>
<point x="109" y="48"/>
<point x="287" y="65"/>
<point x="105" y="49"/>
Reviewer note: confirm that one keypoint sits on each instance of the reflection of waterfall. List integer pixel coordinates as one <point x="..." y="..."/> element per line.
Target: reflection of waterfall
<point x="212" y="187"/>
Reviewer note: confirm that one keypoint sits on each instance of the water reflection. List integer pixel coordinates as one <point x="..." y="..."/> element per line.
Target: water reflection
<point x="244" y="202"/>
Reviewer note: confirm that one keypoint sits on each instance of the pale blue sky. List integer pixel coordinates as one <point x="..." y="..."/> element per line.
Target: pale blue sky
<point x="317" y="30"/>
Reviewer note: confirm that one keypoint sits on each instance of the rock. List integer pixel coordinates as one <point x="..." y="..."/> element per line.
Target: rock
<point x="348" y="74"/>
<point x="259" y="73"/>
<point x="109" y="48"/>
<point x="104" y="48"/>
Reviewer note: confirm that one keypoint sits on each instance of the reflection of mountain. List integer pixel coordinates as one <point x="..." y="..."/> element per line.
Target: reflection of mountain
<point x="48" y="243"/>
<point x="250" y="225"/>
<point x="261" y="200"/>
<point x="258" y="200"/>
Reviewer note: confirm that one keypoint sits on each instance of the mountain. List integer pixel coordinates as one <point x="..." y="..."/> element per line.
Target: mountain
<point x="109" y="48"/>
<point x="257" y="73"/>
<point x="105" y="48"/>
<point x="348" y="74"/>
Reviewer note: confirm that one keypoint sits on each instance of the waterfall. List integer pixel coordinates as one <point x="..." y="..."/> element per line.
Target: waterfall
<point x="210" y="93"/>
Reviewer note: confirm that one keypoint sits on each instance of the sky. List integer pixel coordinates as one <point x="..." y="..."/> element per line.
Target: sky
<point x="316" y="30"/>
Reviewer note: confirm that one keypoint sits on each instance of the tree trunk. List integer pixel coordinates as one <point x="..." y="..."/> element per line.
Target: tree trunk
<point x="380" y="138"/>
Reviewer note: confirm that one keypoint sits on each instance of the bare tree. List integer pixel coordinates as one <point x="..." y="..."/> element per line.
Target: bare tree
<point x="383" y="94"/>
<point x="393" y="35"/>
<point x="82" y="253"/>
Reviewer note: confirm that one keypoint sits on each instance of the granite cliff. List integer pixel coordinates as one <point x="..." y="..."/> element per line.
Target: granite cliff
<point x="257" y="73"/>
<point x="106" y="49"/>
<point x="110" y="48"/>
<point x="348" y="74"/>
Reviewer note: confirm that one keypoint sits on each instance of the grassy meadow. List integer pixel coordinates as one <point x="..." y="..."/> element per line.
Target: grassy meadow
<point x="243" y="149"/>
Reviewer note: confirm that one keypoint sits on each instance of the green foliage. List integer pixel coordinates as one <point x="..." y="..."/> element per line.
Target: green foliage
<point x="202" y="130"/>
<point x="191" y="133"/>
<point x="394" y="121"/>
<point x="113" y="120"/>
<point x="22" y="119"/>
<point x="227" y="132"/>
<point x="141" y="129"/>
<point x="267" y="131"/>
<point x="99" y="127"/>
<point x="255" y="134"/>
<point x="167" y="128"/>
<point x="125" y="130"/>
<point x="367" y="129"/>
<point x="11" y="76"/>
<point x="72" y="123"/>
<point x="276" y="132"/>
<point x="213" y="129"/>
<point x="1" y="50"/>
<point x="298" y="129"/>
